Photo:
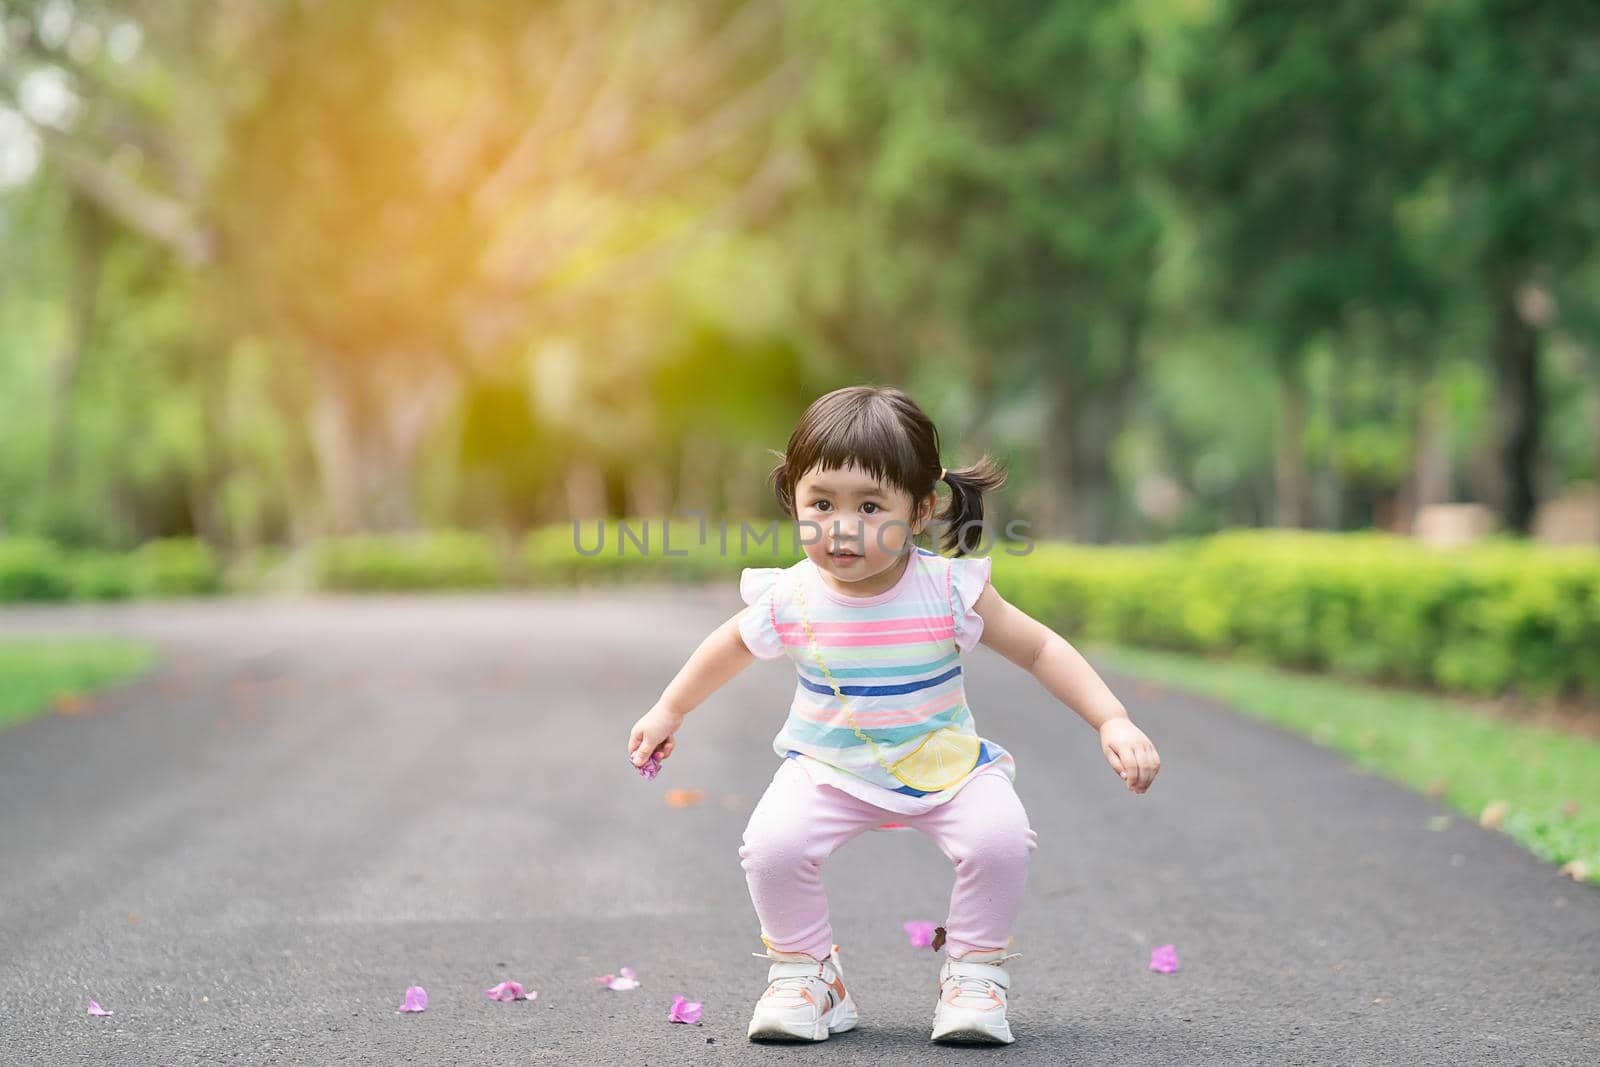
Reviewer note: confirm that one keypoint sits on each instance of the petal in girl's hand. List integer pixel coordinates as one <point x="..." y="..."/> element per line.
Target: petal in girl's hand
<point x="920" y="933"/>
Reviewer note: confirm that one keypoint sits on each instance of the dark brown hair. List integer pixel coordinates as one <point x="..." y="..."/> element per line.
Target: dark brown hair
<point x="881" y="431"/>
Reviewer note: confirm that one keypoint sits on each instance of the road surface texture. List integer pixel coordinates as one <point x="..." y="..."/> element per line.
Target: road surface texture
<point x="249" y="854"/>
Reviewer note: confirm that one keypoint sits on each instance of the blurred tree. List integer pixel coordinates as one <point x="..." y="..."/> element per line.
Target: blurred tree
<point x="1306" y="130"/>
<point x="408" y="194"/>
<point x="988" y="200"/>
<point x="1513" y="109"/>
<point x="292" y="267"/>
<point x="107" y="91"/>
<point x="1578" y="296"/>
<point x="420" y="195"/>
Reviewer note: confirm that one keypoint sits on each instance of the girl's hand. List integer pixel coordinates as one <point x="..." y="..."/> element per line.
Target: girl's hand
<point x="1130" y="753"/>
<point x="653" y="733"/>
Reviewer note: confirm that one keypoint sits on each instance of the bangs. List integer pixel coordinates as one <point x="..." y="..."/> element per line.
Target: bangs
<point x="866" y="429"/>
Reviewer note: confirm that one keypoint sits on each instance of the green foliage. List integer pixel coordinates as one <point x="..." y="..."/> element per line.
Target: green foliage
<point x="35" y="672"/>
<point x="32" y="569"/>
<point x="175" y="567"/>
<point x="1304" y="131"/>
<point x="987" y="199"/>
<point x="1103" y="237"/>
<point x="1503" y="617"/>
<point x="443" y="560"/>
<point x="95" y="575"/>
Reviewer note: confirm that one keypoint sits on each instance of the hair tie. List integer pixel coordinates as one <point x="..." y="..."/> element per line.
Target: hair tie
<point x="941" y="474"/>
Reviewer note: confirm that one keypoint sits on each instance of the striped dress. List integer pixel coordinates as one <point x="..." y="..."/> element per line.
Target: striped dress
<point x="895" y="656"/>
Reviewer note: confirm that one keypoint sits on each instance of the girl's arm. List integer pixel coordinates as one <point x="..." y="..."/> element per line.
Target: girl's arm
<point x="1062" y="670"/>
<point x="720" y="656"/>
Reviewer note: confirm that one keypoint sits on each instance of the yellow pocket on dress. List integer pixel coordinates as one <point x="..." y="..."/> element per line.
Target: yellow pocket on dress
<point x="942" y="759"/>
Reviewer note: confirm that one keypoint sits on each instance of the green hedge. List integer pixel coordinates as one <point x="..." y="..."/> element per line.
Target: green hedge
<point x="1493" y="618"/>
<point x="33" y="570"/>
<point x="392" y="562"/>
<point x="175" y="567"/>
<point x="38" y="570"/>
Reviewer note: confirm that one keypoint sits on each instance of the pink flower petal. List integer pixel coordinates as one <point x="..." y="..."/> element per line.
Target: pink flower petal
<point x="508" y="991"/>
<point x="96" y="1009"/>
<point x="628" y="972"/>
<point x="685" y="1010"/>
<point x="416" y="1000"/>
<point x="920" y="933"/>
<point x="650" y="767"/>
<point x="620" y="982"/>
<point x="1164" y="959"/>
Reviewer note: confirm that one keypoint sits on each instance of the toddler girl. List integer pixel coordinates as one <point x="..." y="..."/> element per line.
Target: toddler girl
<point x="879" y="730"/>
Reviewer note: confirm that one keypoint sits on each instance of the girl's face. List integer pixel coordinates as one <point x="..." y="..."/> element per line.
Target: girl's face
<point x="862" y="528"/>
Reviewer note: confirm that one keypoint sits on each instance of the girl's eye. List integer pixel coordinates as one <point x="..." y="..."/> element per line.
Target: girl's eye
<point x="821" y="505"/>
<point x="874" y="507"/>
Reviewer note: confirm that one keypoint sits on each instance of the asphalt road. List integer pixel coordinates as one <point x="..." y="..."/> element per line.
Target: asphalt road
<point x="312" y="804"/>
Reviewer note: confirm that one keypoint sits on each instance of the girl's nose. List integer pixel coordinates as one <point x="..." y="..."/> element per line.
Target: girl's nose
<point x="845" y="534"/>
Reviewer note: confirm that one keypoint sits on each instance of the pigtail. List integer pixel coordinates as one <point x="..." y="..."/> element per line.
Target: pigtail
<point x="962" y="518"/>
<point x="782" y="480"/>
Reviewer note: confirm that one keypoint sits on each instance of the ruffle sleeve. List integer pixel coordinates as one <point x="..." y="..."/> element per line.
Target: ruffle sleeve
<point x="968" y="576"/>
<point x="759" y="588"/>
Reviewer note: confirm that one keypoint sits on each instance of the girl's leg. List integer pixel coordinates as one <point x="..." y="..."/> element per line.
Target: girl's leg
<point x="794" y="828"/>
<point x="984" y="831"/>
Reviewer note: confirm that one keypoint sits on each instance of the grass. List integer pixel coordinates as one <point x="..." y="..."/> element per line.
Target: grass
<point x="35" y="673"/>
<point x="1546" y="781"/>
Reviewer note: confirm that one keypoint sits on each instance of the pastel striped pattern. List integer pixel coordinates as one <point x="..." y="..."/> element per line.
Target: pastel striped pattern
<point x="897" y="663"/>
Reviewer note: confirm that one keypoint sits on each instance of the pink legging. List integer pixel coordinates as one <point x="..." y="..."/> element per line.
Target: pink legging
<point x="798" y="824"/>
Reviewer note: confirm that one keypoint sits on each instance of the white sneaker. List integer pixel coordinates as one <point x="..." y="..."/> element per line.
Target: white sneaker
<point x="972" y="1000"/>
<point x="805" y="1000"/>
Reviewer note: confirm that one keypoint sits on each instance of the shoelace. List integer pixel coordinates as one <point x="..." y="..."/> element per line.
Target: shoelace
<point x="974" y="986"/>
<point x="791" y="981"/>
<point x="795" y="982"/>
<point x="978" y="986"/>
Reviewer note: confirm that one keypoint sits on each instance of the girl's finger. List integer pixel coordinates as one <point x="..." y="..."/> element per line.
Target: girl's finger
<point x="645" y="746"/>
<point x="1137" y="779"/>
<point x="667" y="746"/>
<point x="1115" y="761"/>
